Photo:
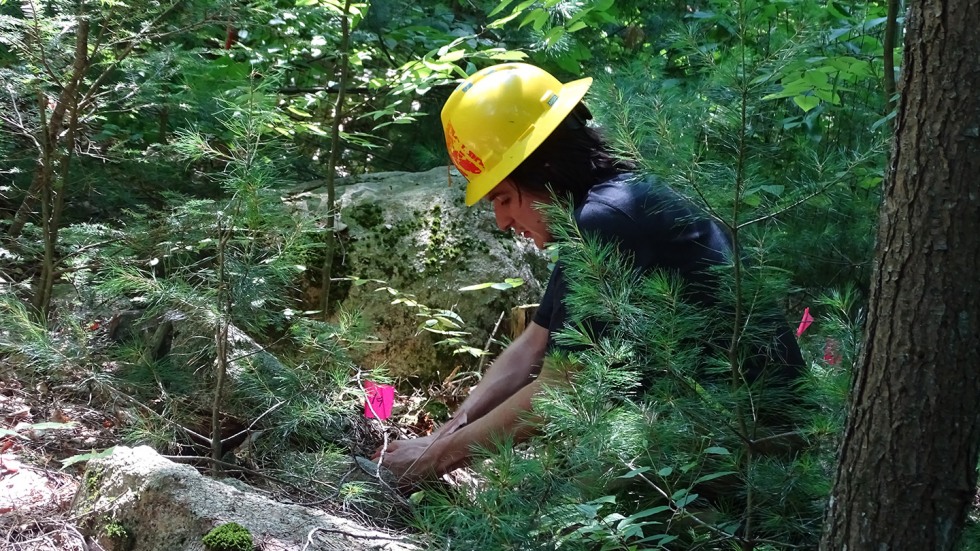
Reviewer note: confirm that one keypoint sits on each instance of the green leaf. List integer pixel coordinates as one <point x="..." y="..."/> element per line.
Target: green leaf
<point x="476" y="287"/>
<point x="612" y="517"/>
<point x="837" y="11"/>
<point x="818" y="79"/>
<point x="634" y="472"/>
<point x="508" y="55"/>
<point x="437" y="66"/>
<point x="554" y="35"/>
<point x="508" y="283"/>
<point x="298" y="112"/>
<point x="8" y="432"/>
<point x="472" y="351"/>
<point x="536" y="19"/>
<point x="878" y="123"/>
<point x="442" y="332"/>
<point x="686" y="500"/>
<point x="524" y="5"/>
<point x="67" y="462"/>
<point x="645" y="513"/>
<point x="452" y="56"/>
<point x="828" y="95"/>
<point x="446" y="322"/>
<point x="870" y="183"/>
<point x="806" y="103"/>
<point x="791" y="88"/>
<point x="717" y="450"/>
<point x="666" y="471"/>
<point x="712" y="476"/>
<point x="660" y="539"/>
<point x="503" y="21"/>
<point x="449" y="314"/>
<point x="500" y="7"/>
<point x="315" y="128"/>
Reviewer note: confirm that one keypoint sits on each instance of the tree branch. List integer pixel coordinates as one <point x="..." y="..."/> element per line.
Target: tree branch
<point x="40" y="44"/>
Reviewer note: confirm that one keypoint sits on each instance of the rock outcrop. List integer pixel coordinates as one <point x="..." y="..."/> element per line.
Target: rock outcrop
<point x="136" y="500"/>
<point x="413" y="232"/>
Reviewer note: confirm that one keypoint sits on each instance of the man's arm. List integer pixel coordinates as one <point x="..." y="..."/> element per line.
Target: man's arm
<point x="513" y="369"/>
<point x="509" y="420"/>
<point x="514" y="419"/>
<point x="506" y="382"/>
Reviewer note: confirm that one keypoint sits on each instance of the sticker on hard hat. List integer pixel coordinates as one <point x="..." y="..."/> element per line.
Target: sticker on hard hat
<point x="465" y="160"/>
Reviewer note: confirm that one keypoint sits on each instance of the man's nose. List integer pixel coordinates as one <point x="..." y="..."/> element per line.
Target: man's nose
<point x="503" y="221"/>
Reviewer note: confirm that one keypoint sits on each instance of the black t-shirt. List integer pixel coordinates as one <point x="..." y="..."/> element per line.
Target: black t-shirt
<point x="660" y="230"/>
<point x="651" y="223"/>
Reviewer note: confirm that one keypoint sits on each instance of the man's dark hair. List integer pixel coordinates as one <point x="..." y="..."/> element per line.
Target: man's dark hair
<point x="570" y="161"/>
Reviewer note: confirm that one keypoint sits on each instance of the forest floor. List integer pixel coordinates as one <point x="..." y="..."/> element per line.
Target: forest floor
<point x="41" y="429"/>
<point x="46" y="436"/>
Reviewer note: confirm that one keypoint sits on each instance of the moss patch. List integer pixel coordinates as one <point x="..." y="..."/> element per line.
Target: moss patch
<point x="92" y="482"/>
<point x="446" y="240"/>
<point x="119" y="536"/>
<point x="229" y="537"/>
<point x="430" y="239"/>
<point x="368" y="215"/>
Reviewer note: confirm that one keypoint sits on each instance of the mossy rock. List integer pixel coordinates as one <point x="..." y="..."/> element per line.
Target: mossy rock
<point x="413" y="233"/>
<point x="229" y="537"/>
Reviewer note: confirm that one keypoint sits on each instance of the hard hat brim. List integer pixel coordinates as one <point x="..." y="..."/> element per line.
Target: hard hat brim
<point x="571" y="94"/>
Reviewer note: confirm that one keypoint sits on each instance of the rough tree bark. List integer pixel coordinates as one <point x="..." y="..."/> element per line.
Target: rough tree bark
<point x="907" y="471"/>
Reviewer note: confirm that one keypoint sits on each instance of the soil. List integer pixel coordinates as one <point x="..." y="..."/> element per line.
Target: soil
<point x="40" y="429"/>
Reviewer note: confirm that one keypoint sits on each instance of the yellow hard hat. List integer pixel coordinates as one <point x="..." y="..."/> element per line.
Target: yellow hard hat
<point x="498" y="116"/>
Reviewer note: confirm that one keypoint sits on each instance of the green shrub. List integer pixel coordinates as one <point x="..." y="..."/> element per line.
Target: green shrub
<point x="116" y="531"/>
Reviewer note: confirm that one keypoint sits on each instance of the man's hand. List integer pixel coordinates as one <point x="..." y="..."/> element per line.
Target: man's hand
<point x="416" y="458"/>
<point x="508" y="381"/>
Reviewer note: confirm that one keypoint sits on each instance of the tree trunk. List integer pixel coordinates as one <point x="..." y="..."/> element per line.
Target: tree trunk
<point x="338" y="120"/>
<point x="907" y="471"/>
<point x="58" y="149"/>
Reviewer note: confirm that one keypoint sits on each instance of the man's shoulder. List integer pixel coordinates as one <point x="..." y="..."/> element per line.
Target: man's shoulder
<point x="622" y="188"/>
<point x="626" y="199"/>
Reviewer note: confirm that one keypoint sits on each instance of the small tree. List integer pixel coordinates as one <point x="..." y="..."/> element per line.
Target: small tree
<point x="226" y="271"/>
<point x="69" y="55"/>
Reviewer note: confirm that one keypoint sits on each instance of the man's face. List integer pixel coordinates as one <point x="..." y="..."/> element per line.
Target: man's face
<point x="518" y="210"/>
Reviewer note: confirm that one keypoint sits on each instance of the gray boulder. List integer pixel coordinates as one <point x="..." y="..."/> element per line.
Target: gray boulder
<point x="135" y="500"/>
<point x="413" y="232"/>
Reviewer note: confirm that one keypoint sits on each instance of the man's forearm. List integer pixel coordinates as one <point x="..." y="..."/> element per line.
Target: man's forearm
<point x="511" y="419"/>
<point x="512" y="370"/>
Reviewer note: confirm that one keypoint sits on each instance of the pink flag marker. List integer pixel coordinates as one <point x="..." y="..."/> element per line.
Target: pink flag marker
<point x="379" y="400"/>
<point x="805" y="322"/>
